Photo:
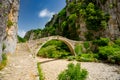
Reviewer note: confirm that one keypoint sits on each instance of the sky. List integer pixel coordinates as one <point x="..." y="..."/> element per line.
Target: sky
<point x="35" y="14"/>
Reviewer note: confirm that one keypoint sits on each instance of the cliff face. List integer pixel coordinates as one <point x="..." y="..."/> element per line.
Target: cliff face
<point x="8" y="25"/>
<point x="33" y="34"/>
<point x="87" y="20"/>
<point x="112" y="7"/>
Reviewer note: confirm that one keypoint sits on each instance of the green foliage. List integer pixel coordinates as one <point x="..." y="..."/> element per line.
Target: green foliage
<point x="71" y="58"/>
<point x="41" y="76"/>
<point x="85" y="57"/>
<point x="4" y="56"/>
<point x="64" y="24"/>
<point x="89" y="36"/>
<point x="3" y="63"/>
<point x="89" y="57"/>
<point x="74" y="72"/>
<point x="37" y="33"/>
<point x="71" y="7"/>
<point x="117" y="42"/>
<point x="102" y="42"/>
<point x="54" y="49"/>
<point x="66" y="1"/>
<point x="51" y="30"/>
<point x="62" y="13"/>
<point x="5" y="14"/>
<point x="110" y="54"/>
<point x="9" y="23"/>
<point x="86" y="44"/>
<point x="103" y="1"/>
<point x="87" y="47"/>
<point x="20" y="39"/>
<point x="3" y="47"/>
<point x="111" y="5"/>
<point x="0" y="5"/>
<point x="52" y="52"/>
<point x="103" y="24"/>
<point x="95" y="18"/>
<point x="60" y="45"/>
<point x="78" y="49"/>
<point x="72" y="18"/>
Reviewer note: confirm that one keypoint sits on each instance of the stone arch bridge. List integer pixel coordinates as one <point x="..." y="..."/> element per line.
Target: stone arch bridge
<point x="35" y="45"/>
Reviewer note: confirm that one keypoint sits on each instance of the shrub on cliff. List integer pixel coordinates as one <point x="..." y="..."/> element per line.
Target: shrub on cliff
<point x="20" y="39"/>
<point x="3" y="63"/>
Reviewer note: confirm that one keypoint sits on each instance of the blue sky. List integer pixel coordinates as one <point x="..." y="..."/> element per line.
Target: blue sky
<point x="36" y="13"/>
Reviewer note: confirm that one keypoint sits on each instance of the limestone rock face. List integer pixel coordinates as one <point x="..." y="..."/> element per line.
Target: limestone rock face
<point x="62" y="24"/>
<point x="8" y="25"/>
<point x="77" y="29"/>
<point x="113" y="8"/>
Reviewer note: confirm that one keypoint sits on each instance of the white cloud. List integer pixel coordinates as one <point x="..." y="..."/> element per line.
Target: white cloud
<point x="21" y="33"/>
<point x="46" y="13"/>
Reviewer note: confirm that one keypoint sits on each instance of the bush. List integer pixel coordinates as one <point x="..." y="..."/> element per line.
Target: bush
<point x="62" y="13"/>
<point x="101" y="42"/>
<point x="115" y="58"/>
<point x="3" y="46"/>
<point x="41" y="76"/>
<point x="4" y="61"/>
<point x="71" y="58"/>
<point x="20" y="39"/>
<point x="74" y="72"/>
<point x="89" y="36"/>
<point x="54" y="49"/>
<point x="78" y="49"/>
<point x="86" y="44"/>
<point x="52" y="52"/>
<point x="90" y="57"/>
<point x="117" y="41"/>
<point x="110" y="54"/>
<point x="95" y="18"/>
<point x="103" y="1"/>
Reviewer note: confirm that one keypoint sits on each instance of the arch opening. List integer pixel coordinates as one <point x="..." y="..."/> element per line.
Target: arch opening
<point x="55" y="48"/>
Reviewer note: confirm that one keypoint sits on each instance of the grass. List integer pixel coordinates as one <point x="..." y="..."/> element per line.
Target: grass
<point x="3" y="63"/>
<point x="41" y="76"/>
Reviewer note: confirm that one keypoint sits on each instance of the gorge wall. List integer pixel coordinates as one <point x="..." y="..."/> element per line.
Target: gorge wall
<point x="113" y="8"/>
<point x="8" y="25"/>
<point x="84" y="20"/>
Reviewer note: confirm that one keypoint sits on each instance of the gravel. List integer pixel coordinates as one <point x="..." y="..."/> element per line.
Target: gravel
<point x="97" y="71"/>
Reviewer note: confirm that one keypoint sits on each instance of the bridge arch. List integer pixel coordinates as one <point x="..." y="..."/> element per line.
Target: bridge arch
<point x="65" y="40"/>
